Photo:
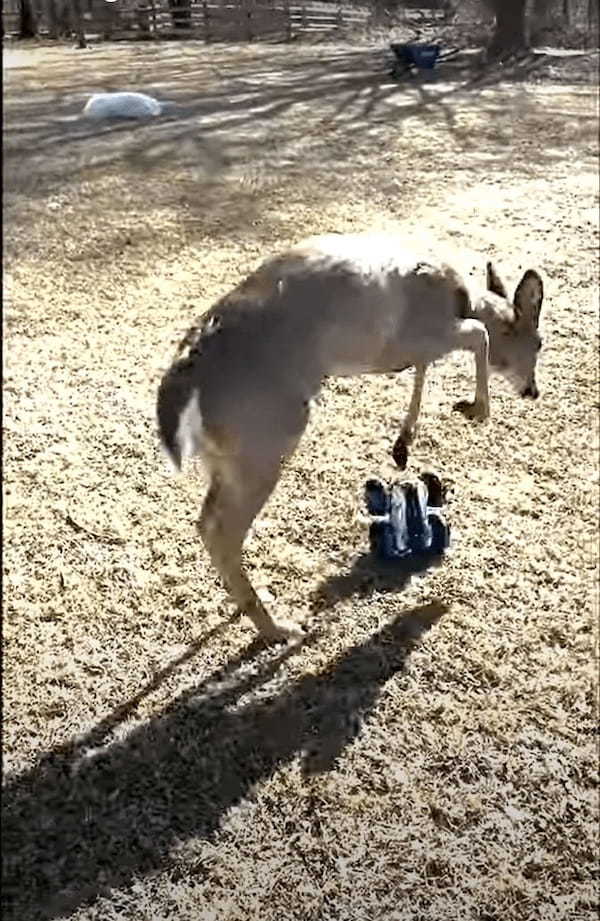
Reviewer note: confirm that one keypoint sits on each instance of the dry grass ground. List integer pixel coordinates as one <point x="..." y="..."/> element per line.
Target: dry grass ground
<point x="429" y="752"/>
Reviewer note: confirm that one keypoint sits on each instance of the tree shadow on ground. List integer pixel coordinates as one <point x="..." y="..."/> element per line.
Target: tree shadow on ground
<point x="81" y="823"/>
<point x="227" y="121"/>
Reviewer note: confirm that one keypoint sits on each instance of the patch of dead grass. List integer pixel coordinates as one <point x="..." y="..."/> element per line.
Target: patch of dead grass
<point x="428" y="753"/>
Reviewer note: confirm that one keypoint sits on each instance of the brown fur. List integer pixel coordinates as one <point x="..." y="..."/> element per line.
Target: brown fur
<point x="240" y="387"/>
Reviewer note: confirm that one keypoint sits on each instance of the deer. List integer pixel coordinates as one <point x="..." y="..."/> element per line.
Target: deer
<point x="239" y="389"/>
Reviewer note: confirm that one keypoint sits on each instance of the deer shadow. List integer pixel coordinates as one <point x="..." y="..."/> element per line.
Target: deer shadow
<point x="84" y="821"/>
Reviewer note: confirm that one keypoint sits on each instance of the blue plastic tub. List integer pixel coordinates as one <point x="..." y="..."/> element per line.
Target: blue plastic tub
<point x="419" y="54"/>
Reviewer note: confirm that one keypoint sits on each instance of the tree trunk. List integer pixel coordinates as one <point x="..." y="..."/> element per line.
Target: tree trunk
<point x="52" y="18"/>
<point x="541" y="12"/>
<point x="510" y="34"/>
<point x="540" y="18"/>
<point x="27" y="19"/>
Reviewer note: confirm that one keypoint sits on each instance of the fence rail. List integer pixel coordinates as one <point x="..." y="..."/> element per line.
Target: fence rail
<point x="200" y="19"/>
<point x="246" y="20"/>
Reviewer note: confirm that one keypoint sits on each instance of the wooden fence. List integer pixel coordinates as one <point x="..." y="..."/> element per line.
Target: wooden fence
<point x="208" y="20"/>
<point x="244" y="20"/>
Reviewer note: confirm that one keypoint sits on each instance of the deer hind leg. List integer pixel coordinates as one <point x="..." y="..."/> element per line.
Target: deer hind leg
<point x="472" y="336"/>
<point x="240" y="486"/>
<point x="409" y="425"/>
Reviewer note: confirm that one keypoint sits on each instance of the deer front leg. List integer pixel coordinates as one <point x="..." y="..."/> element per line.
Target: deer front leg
<point x="472" y="336"/>
<point x="409" y="426"/>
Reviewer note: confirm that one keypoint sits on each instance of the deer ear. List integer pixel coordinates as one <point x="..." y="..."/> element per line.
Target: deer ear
<point x="528" y="298"/>
<point x="494" y="283"/>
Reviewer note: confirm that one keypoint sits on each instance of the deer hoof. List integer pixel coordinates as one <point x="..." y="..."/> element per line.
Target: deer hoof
<point x="400" y="453"/>
<point x="283" y="631"/>
<point x="477" y="410"/>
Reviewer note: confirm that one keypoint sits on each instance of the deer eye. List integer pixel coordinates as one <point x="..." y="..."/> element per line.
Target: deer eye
<point x="540" y="342"/>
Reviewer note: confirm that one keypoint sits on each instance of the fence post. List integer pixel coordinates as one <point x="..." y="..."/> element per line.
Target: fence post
<point x="288" y="20"/>
<point x="79" y="26"/>
<point x="206" y="15"/>
<point x="50" y="10"/>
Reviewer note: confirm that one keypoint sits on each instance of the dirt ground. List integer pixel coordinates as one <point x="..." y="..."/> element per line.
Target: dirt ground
<point x="430" y="751"/>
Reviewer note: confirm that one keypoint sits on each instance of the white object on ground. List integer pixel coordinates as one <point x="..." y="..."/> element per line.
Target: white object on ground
<point x="122" y="105"/>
